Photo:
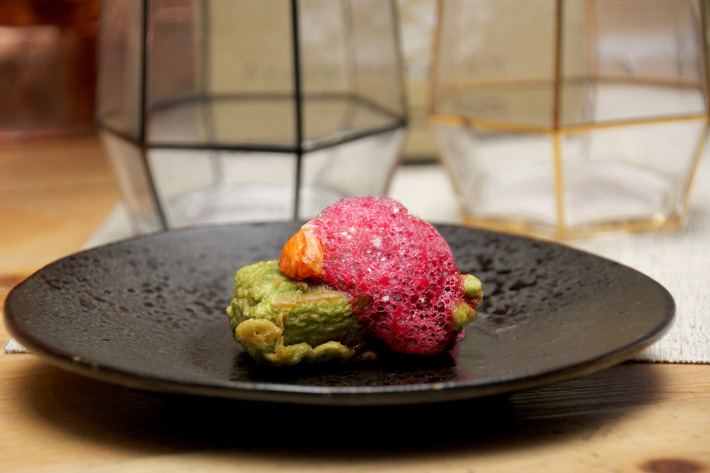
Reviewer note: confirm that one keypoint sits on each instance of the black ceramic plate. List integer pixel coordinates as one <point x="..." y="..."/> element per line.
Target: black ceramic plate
<point x="149" y="313"/>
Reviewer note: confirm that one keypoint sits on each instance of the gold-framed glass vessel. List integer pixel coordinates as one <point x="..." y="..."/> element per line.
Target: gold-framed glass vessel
<point x="563" y="118"/>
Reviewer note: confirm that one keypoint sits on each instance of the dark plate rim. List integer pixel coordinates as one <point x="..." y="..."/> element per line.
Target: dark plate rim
<point x="354" y="395"/>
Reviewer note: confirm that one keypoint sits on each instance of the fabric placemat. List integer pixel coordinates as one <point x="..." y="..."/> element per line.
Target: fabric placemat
<point x="680" y="260"/>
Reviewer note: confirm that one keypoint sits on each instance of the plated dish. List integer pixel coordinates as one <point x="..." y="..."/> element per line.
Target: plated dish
<point x="362" y="280"/>
<point x="149" y="313"/>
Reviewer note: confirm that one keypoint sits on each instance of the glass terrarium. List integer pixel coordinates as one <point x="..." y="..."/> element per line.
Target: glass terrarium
<point x="217" y="111"/>
<point x="562" y="118"/>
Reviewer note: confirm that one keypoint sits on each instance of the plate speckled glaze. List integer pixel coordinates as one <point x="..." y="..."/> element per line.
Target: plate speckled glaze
<point x="149" y="313"/>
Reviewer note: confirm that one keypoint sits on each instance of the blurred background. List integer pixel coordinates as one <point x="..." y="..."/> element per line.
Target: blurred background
<point x="47" y="67"/>
<point x="502" y="115"/>
<point x="57" y="39"/>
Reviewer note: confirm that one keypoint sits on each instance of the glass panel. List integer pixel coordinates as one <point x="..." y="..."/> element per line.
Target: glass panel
<point x="356" y="168"/>
<point x="629" y="173"/>
<point x="332" y="119"/>
<point x="326" y="69"/>
<point x="120" y="57"/>
<point x="377" y="56"/>
<point x="417" y="25"/>
<point x="221" y="73"/>
<point x="202" y="186"/>
<point x="250" y="70"/>
<point x="130" y="170"/>
<point x="631" y="59"/>
<point x="175" y="71"/>
<point x="495" y="61"/>
<point x="501" y="177"/>
<point x="250" y="120"/>
<point x="348" y="86"/>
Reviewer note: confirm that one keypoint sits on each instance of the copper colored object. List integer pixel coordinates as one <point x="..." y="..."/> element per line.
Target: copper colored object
<point x="47" y="66"/>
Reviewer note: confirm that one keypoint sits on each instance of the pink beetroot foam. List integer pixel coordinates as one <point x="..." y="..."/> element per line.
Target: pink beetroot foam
<point x="399" y="265"/>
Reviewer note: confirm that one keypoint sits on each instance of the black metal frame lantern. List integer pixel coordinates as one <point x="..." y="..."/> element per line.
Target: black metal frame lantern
<point x="216" y="110"/>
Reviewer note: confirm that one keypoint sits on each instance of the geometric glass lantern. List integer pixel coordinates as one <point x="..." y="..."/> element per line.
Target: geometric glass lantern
<point x="563" y="118"/>
<point x="217" y="111"/>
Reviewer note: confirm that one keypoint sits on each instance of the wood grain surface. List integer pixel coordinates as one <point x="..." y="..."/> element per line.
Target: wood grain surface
<point x="635" y="417"/>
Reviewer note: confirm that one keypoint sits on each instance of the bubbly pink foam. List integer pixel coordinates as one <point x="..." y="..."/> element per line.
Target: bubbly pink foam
<point x="398" y="269"/>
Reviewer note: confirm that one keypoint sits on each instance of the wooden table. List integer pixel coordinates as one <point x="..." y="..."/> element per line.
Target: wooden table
<point x="633" y="417"/>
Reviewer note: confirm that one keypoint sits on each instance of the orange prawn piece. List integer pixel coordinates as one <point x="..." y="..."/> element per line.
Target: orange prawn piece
<point x="302" y="255"/>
